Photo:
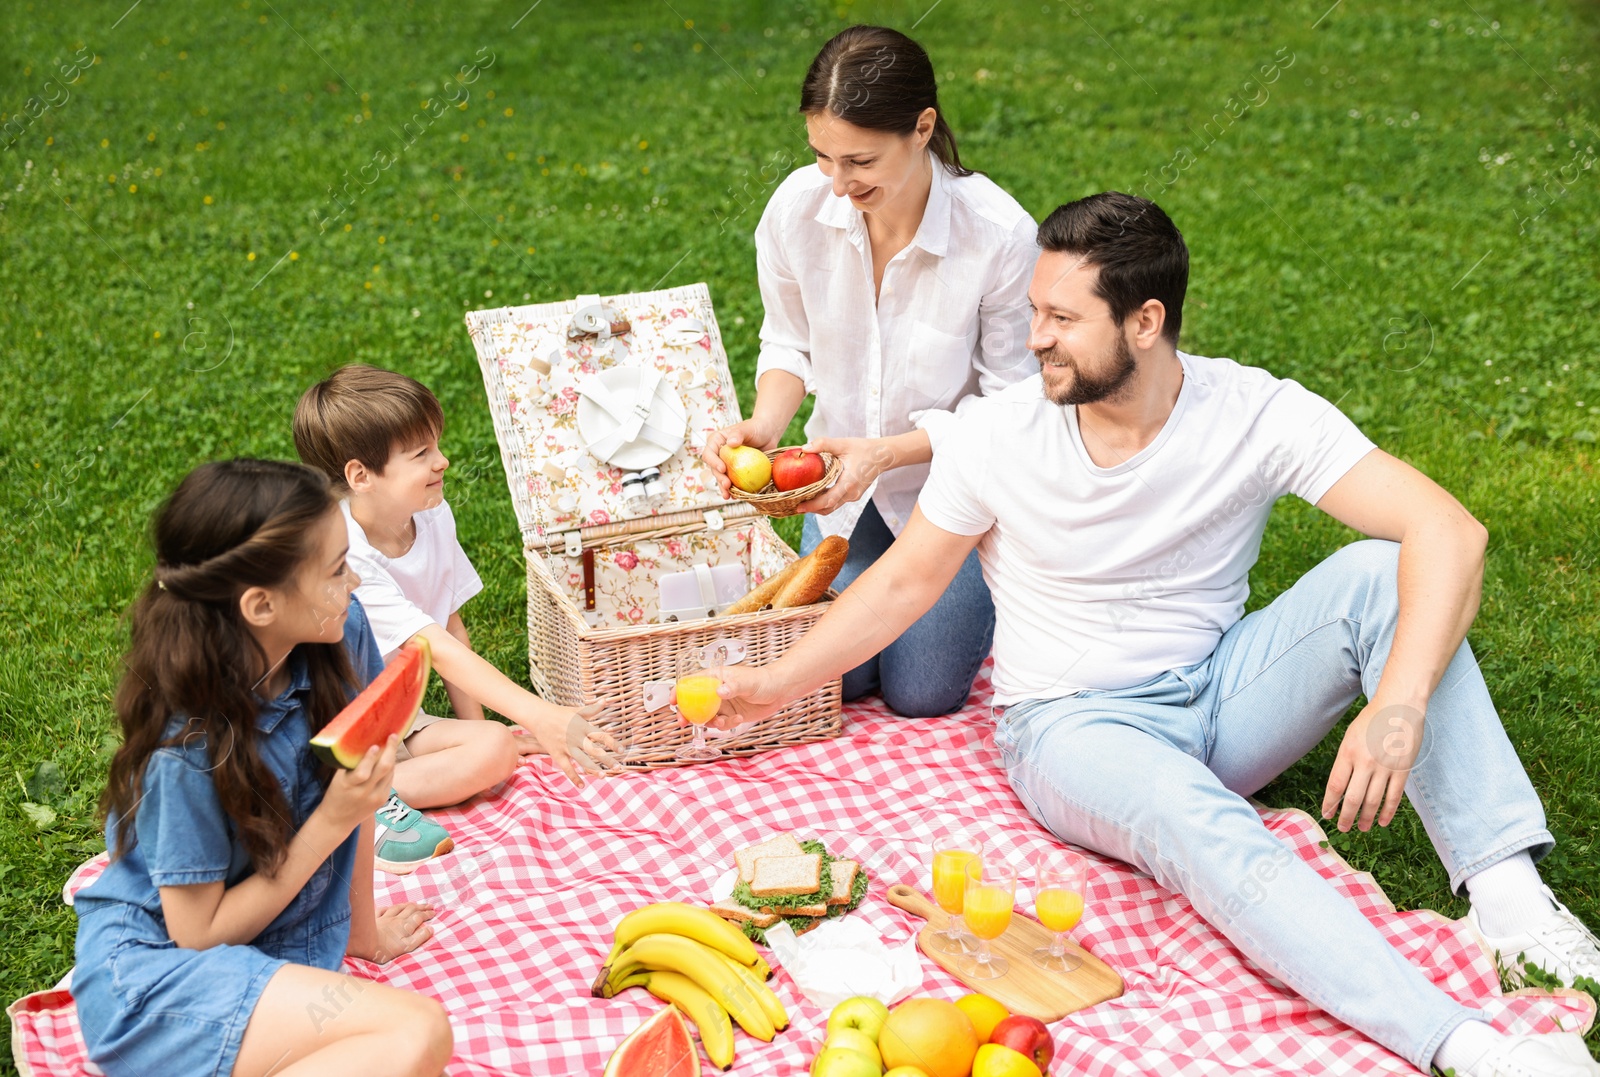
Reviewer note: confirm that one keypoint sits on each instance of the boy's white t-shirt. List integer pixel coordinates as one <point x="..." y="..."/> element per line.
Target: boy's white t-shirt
<point x="403" y="595"/>
<point x="1106" y="577"/>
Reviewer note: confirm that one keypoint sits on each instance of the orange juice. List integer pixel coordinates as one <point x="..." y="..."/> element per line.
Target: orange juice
<point x="1059" y="910"/>
<point x="950" y="877"/>
<point x="697" y="698"/>
<point x="988" y="911"/>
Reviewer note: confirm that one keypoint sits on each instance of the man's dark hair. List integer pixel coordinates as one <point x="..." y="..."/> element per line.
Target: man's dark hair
<point x="1138" y="249"/>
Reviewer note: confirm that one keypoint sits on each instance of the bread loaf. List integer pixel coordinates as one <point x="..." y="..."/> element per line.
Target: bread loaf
<point x="811" y="582"/>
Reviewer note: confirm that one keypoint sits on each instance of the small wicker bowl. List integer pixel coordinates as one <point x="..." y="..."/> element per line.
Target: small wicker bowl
<point x="771" y="501"/>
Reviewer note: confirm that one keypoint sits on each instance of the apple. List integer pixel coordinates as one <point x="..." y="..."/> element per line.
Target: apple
<point x="794" y="468"/>
<point x="843" y="1062"/>
<point x="863" y="1013"/>
<point x="748" y="468"/>
<point x="1028" y="1037"/>
<point x="853" y="1039"/>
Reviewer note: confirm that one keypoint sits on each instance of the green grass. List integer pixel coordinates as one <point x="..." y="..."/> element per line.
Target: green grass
<point x="1389" y="222"/>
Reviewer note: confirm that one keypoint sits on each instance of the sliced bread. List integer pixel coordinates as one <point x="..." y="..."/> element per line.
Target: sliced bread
<point x="730" y="909"/>
<point x="786" y="876"/>
<point x="844" y="877"/>
<point x="819" y="909"/>
<point x="782" y="845"/>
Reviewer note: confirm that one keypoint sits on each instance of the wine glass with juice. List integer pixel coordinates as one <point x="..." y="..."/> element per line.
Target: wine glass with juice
<point x="952" y="849"/>
<point x="698" y="702"/>
<point x="1059" y="878"/>
<point x="991" y="894"/>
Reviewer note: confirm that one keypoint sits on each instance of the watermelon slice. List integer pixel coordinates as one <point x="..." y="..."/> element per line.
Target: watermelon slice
<point x="388" y="705"/>
<point x="661" y="1047"/>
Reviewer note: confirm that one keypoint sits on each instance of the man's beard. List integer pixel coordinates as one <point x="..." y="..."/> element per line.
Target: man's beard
<point x="1091" y="390"/>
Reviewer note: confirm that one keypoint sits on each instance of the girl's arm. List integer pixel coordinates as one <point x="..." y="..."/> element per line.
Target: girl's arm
<point x="210" y="914"/>
<point x="461" y="702"/>
<point x="363" y="916"/>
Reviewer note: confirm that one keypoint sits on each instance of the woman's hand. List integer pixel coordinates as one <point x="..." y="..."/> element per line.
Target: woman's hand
<point x="354" y="795"/>
<point x="401" y="929"/>
<point x="754" y="432"/>
<point x="863" y="460"/>
<point x="565" y="735"/>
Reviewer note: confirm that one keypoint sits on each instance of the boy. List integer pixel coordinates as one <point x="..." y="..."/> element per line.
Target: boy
<point x="375" y="434"/>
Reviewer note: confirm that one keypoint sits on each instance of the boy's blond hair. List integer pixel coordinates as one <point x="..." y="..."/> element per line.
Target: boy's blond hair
<point x="362" y="413"/>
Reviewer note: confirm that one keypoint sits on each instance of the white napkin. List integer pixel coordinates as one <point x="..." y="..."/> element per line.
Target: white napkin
<point x="842" y="958"/>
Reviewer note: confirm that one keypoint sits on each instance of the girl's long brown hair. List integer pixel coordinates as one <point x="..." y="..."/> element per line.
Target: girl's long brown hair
<point x="880" y="79"/>
<point x="229" y="526"/>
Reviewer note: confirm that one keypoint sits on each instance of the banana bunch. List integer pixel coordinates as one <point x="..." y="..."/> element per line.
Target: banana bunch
<point x="696" y="960"/>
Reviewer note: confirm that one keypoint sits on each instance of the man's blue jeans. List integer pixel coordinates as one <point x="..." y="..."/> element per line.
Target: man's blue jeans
<point x="928" y="671"/>
<point x="1157" y="775"/>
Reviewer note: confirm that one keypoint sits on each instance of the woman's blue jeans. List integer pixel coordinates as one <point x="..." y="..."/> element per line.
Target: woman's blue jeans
<point x="928" y="671"/>
<point x="1157" y="775"/>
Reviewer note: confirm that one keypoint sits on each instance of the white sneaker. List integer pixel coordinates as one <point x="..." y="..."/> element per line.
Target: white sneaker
<point x="1554" y="1054"/>
<point x="1559" y="944"/>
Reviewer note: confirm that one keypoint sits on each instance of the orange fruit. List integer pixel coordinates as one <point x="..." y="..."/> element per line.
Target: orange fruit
<point x="931" y="1034"/>
<point x="984" y="1013"/>
<point x="906" y="1071"/>
<point x="998" y="1060"/>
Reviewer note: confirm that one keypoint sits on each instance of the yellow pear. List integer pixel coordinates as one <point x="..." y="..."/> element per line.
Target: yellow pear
<point x="748" y="468"/>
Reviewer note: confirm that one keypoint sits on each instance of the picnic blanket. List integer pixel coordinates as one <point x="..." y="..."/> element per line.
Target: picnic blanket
<point x="541" y="871"/>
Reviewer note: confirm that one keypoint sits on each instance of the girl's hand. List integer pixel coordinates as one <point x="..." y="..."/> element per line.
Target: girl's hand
<point x="864" y="459"/>
<point x="565" y="735"/>
<point x="752" y="432"/>
<point x="401" y="929"/>
<point x="354" y="795"/>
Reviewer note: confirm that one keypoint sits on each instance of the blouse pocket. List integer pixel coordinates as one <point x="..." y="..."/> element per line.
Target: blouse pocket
<point x="939" y="366"/>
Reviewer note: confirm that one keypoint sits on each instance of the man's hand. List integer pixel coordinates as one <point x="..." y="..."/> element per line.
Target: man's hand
<point x="749" y="694"/>
<point x="565" y="735"/>
<point x="862" y="460"/>
<point x="753" y="432"/>
<point x="1375" y="758"/>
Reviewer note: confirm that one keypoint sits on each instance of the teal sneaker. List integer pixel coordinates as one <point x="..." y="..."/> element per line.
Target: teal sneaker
<point x="405" y="838"/>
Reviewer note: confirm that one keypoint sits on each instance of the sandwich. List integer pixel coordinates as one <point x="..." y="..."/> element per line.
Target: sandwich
<point x="787" y="876"/>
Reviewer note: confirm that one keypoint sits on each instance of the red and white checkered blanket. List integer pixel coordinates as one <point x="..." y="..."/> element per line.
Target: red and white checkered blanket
<point x="541" y="871"/>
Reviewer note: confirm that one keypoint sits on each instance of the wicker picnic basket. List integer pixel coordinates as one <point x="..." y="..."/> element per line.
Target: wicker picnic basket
<point x="593" y="559"/>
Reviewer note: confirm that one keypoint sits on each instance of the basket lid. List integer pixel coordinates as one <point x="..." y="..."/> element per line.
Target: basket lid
<point x="591" y="391"/>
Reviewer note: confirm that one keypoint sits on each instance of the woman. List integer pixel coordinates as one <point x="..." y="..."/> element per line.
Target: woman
<point x="895" y="286"/>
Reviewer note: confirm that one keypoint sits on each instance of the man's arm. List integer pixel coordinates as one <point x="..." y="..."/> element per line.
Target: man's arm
<point x="882" y="603"/>
<point x="1440" y="581"/>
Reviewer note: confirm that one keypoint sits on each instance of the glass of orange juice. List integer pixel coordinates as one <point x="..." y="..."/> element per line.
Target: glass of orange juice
<point x="698" y="702"/>
<point x="952" y="849"/>
<point x="991" y="893"/>
<point x="1059" y="876"/>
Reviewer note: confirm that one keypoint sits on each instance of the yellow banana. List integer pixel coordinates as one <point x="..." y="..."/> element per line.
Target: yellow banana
<point x="690" y="921"/>
<point x="770" y="1003"/>
<point x="675" y="953"/>
<point x="716" y="1030"/>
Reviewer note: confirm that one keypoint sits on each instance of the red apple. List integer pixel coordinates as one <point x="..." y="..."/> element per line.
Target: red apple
<point x="794" y="468"/>
<point x="1028" y="1037"/>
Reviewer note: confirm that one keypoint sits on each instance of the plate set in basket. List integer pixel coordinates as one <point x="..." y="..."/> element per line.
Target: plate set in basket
<point x="601" y="407"/>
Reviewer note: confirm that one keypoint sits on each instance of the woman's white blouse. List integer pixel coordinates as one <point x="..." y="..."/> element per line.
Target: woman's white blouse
<point x="950" y="321"/>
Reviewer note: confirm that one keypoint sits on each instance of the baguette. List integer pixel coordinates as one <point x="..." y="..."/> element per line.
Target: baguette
<point x="782" y="845"/>
<point x="766" y="591"/>
<point x="786" y="876"/>
<point x="810" y="584"/>
<point x="730" y="909"/>
<point x="844" y="877"/>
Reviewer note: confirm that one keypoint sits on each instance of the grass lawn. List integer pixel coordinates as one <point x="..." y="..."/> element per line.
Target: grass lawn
<point x="1404" y="219"/>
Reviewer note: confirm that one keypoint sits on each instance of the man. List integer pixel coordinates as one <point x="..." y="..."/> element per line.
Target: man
<point x="1117" y="502"/>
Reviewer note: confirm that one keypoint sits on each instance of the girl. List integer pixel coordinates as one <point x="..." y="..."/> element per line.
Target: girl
<point x="241" y="871"/>
<point x="895" y="283"/>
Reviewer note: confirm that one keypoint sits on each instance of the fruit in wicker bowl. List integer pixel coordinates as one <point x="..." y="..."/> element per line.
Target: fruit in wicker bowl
<point x="792" y="476"/>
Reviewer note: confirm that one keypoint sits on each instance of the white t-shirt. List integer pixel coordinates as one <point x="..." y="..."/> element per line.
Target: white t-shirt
<point x="950" y="322"/>
<point x="1106" y="577"/>
<point x="403" y="595"/>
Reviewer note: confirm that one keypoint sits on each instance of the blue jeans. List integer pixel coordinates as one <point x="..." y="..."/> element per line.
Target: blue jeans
<point x="1157" y="775"/>
<point x="929" y="669"/>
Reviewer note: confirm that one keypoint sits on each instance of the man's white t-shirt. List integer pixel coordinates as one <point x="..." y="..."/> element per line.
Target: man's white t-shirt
<point x="1106" y="577"/>
<point x="424" y="586"/>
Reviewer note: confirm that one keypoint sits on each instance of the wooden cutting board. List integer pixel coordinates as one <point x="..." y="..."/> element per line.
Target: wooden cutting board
<point x="1025" y="988"/>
